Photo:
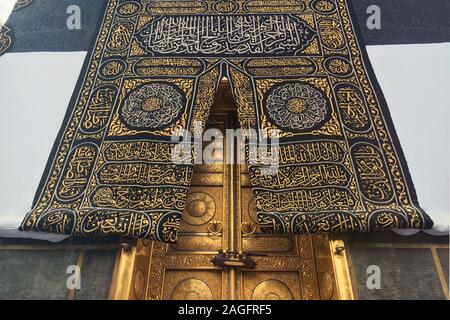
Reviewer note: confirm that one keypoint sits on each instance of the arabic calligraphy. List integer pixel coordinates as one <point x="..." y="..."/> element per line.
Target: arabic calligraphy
<point x="176" y="7"/>
<point x="144" y="173"/>
<point x="139" y="198"/>
<point x="282" y="66"/>
<point x="296" y="106"/>
<point x="305" y="152"/>
<point x="108" y="222"/>
<point x="371" y="172"/>
<point x="167" y="67"/>
<point x="153" y="106"/>
<point x="305" y="200"/>
<point x="225" y="6"/>
<point x="129" y="8"/>
<point x="330" y="32"/>
<point x="78" y="170"/>
<point x="99" y="108"/>
<point x="302" y="176"/>
<point x="324" y="6"/>
<point x="120" y="36"/>
<point x="323" y="223"/>
<point x="236" y="35"/>
<point x="289" y="6"/>
<point x="138" y="150"/>
<point x="338" y="66"/>
<point x="112" y="69"/>
<point x="60" y="221"/>
<point x="353" y="107"/>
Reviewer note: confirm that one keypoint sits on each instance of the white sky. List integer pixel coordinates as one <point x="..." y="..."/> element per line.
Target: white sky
<point x="6" y="7"/>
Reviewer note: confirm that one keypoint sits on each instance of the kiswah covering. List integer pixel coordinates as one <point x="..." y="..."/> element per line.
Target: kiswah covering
<point x="296" y="69"/>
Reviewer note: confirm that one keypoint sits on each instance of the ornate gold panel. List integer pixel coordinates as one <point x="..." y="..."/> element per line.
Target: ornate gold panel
<point x="271" y="286"/>
<point x="203" y="206"/>
<point x="221" y="214"/>
<point x="192" y="285"/>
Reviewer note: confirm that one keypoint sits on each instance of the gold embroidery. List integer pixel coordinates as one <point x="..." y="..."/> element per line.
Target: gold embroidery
<point x="5" y="38"/>
<point x="112" y="172"/>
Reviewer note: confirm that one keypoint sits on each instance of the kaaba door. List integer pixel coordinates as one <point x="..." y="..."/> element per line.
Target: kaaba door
<point x="220" y="214"/>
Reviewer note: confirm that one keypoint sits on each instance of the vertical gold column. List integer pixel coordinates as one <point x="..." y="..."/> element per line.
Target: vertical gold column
<point x="80" y="258"/>
<point x="231" y="222"/>
<point x="341" y="269"/>
<point x="440" y="272"/>
<point x="123" y="273"/>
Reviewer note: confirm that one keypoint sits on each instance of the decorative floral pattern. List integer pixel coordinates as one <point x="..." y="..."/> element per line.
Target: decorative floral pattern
<point x="295" y="106"/>
<point x="153" y="106"/>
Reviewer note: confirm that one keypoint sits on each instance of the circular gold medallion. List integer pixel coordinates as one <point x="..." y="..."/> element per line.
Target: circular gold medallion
<point x="200" y="209"/>
<point x="272" y="290"/>
<point x="296" y="105"/>
<point x="192" y="289"/>
<point x="152" y="104"/>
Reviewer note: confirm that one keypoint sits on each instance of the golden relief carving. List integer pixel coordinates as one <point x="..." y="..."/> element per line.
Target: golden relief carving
<point x="191" y="289"/>
<point x="248" y="228"/>
<point x="272" y="290"/>
<point x="184" y="270"/>
<point x="200" y="209"/>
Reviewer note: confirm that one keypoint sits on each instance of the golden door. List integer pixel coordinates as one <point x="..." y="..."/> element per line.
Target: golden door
<point x="220" y="215"/>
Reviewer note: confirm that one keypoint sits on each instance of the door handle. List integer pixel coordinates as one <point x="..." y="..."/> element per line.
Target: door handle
<point x="215" y="227"/>
<point x="248" y="228"/>
<point x="235" y="259"/>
